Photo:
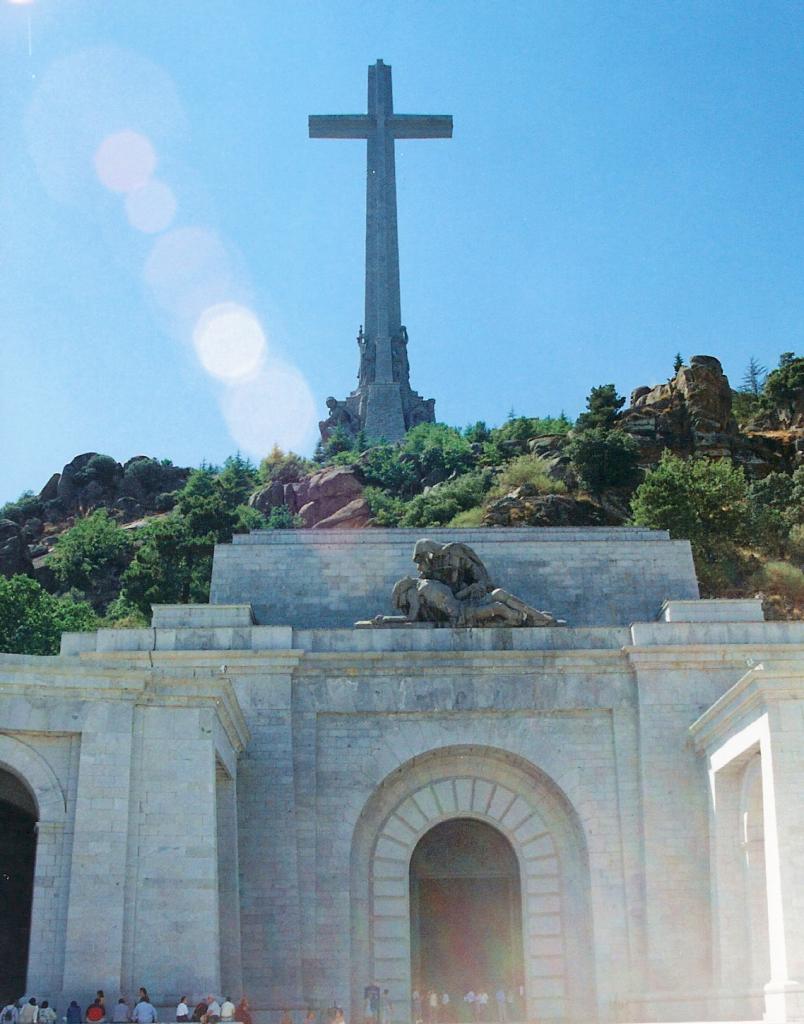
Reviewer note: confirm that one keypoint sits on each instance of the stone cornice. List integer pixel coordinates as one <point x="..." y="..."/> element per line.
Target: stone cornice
<point x="383" y="663"/>
<point x="711" y="654"/>
<point x="99" y="678"/>
<point x="761" y="686"/>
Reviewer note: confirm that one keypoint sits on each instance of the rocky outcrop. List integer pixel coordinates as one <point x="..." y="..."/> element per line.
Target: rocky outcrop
<point x="93" y="480"/>
<point x="525" y="506"/>
<point x="353" y="516"/>
<point x="691" y="414"/>
<point x="317" y="498"/>
<point x="269" y="497"/>
<point x="14" y="556"/>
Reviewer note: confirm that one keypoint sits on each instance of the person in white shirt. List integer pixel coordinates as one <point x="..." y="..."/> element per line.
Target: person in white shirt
<point x="182" y="1011"/>
<point x="213" y="1010"/>
<point x="9" y="1014"/>
<point x="47" y="1015"/>
<point x="227" y="1009"/>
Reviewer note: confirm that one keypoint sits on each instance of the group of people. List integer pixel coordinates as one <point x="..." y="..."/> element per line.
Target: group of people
<point x="433" y="1007"/>
<point x="209" y="1010"/>
<point x="28" y="1011"/>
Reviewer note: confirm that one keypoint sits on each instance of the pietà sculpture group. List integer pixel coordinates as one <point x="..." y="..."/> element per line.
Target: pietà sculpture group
<point x="454" y="589"/>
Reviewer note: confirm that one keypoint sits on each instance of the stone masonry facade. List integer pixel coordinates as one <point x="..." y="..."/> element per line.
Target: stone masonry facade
<point x="230" y="799"/>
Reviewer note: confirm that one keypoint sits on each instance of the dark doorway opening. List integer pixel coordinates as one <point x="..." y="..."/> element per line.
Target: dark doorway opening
<point x="466" y="916"/>
<point x="18" y="818"/>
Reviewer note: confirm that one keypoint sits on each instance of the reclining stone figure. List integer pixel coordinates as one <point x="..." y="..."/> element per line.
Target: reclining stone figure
<point x="454" y="589"/>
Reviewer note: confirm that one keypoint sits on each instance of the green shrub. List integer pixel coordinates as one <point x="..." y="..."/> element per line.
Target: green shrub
<point x="281" y="518"/>
<point x="170" y="565"/>
<point x="795" y="542"/>
<point x="248" y="518"/>
<point x="527" y="469"/>
<point x="744" y="406"/>
<point x="770" y="503"/>
<point x="340" y="440"/>
<point x="784" y="385"/>
<point x="703" y="501"/>
<point x="440" y="450"/>
<point x="382" y="467"/>
<point x="477" y="432"/>
<point x="121" y="614"/>
<point x="604" y="458"/>
<point x="783" y="579"/>
<point x="23" y="508"/>
<point x="469" y="518"/>
<point x="100" y="469"/>
<point x="386" y="510"/>
<point x="32" y="621"/>
<point x="89" y="552"/>
<point x="523" y="428"/>
<point x="443" y="502"/>
<point x="284" y="467"/>
<point x="147" y="474"/>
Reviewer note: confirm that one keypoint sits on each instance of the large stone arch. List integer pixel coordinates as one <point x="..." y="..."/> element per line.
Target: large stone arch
<point x="530" y="810"/>
<point x="36" y="774"/>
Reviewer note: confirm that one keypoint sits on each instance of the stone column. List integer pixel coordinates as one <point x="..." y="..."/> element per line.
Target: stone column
<point x="730" y="938"/>
<point x="270" y="896"/>
<point x="783" y="805"/>
<point x="228" y="883"/>
<point x="95" y="919"/>
<point x="173" y="930"/>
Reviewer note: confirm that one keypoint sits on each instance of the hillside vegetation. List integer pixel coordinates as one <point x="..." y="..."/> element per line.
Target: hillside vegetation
<point x="103" y="541"/>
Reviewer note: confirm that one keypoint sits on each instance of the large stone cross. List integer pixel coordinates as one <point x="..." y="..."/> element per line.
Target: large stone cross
<point x="381" y="127"/>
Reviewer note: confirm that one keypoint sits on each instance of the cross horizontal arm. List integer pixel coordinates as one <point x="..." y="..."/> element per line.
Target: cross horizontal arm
<point x="421" y="126"/>
<point x="340" y="126"/>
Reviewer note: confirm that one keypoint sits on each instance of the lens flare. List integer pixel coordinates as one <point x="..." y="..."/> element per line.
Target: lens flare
<point x="151" y="209"/>
<point x="87" y="97"/>
<point x="275" y="406"/>
<point x="189" y="270"/>
<point x="229" y="341"/>
<point x="124" y="161"/>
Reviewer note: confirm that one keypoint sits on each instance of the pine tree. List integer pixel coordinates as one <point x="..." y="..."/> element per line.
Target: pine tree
<point x="678" y="362"/>
<point x="603" y="409"/>
<point x="754" y="377"/>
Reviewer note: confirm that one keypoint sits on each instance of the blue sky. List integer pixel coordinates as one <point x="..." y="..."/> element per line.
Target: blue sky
<point x="624" y="182"/>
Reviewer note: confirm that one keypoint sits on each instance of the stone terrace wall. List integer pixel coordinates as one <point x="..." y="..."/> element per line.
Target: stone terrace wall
<point x="596" y="576"/>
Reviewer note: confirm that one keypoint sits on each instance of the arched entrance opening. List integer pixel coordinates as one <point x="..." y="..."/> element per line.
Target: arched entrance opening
<point x="465" y="912"/>
<point x="18" y="818"/>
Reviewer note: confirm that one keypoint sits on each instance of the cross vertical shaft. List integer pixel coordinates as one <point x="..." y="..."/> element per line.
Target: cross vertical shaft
<point x="383" y="317"/>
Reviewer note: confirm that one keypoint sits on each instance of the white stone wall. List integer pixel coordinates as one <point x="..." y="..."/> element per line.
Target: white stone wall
<point x="122" y="768"/>
<point x="236" y="802"/>
<point x="332" y="578"/>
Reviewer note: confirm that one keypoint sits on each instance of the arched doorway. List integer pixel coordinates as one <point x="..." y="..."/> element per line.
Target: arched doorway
<point x="502" y="790"/>
<point x="18" y="818"/>
<point x="466" y="912"/>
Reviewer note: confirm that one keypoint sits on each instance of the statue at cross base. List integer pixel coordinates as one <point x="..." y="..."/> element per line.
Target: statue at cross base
<point x="454" y="589"/>
<point x="383" y="405"/>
